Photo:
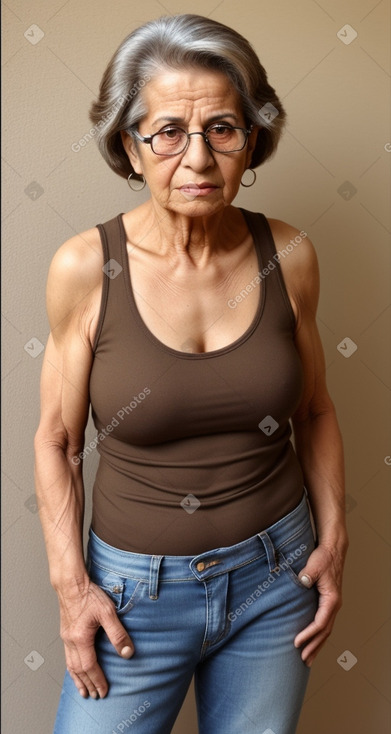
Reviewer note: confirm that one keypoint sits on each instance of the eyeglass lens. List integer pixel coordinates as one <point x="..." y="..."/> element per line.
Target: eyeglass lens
<point x="223" y="139"/>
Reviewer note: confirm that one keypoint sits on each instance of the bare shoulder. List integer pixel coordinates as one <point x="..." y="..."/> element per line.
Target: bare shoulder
<point x="299" y="264"/>
<point x="78" y="261"/>
<point x="75" y="281"/>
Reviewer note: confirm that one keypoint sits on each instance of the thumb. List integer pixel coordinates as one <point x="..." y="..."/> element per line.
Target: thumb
<point x="308" y="575"/>
<point x="119" y="638"/>
<point x="312" y="571"/>
<point x="305" y="578"/>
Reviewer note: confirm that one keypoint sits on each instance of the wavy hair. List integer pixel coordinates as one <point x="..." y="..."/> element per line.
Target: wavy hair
<point x="178" y="42"/>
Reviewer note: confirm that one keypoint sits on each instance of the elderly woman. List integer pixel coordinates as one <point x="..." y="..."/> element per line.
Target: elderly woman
<point x="189" y="326"/>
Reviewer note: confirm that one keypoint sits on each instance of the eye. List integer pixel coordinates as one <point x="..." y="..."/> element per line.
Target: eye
<point x="220" y="129"/>
<point x="171" y="133"/>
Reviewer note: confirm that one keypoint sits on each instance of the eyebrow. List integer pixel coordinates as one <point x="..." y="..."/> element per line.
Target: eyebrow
<point x="209" y="121"/>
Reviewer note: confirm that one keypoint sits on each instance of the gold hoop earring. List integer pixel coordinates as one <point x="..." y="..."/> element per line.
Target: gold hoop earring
<point x="139" y="185"/>
<point x="247" y="185"/>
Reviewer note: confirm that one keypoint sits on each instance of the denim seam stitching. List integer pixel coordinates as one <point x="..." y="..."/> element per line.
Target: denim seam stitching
<point x="292" y="574"/>
<point x="130" y="603"/>
<point x="187" y="578"/>
<point x="232" y="568"/>
<point x="294" y="536"/>
<point x="117" y="573"/>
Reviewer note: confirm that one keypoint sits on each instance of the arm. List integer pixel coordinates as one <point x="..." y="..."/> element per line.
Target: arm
<point x="318" y="446"/>
<point x="73" y="292"/>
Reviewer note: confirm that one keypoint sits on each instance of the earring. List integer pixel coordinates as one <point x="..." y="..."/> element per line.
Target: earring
<point x="139" y="185"/>
<point x="247" y="185"/>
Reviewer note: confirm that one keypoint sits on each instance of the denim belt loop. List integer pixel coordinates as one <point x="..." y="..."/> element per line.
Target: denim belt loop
<point x="270" y="552"/>
<point x="154" y="576"/>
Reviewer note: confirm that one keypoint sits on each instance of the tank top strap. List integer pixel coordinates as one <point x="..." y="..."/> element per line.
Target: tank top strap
<point x="110" y="233"/>
<point x="270" y="258"/>
<point x="113" y="256"/>
<point x="260" y="230"/>
<point x="115" y="295"/>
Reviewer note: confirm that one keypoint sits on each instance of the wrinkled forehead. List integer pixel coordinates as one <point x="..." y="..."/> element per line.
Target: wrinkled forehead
<point x="181" y="95"/>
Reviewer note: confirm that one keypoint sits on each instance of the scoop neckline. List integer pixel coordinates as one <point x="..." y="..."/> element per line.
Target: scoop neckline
<point x="176" y="352"/>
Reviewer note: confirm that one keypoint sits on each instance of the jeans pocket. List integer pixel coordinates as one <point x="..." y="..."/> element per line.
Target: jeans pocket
<point x="293" y="553"/>
<point x="122" y="590"/>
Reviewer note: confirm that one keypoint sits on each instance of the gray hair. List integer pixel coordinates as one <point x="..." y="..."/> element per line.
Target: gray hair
<point x="178" y="42"/>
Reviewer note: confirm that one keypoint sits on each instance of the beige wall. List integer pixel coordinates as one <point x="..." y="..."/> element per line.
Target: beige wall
<point x="336" y="97"/>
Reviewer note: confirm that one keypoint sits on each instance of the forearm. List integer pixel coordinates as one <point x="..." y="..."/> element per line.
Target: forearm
<point x="60" y="495"/>
<point x="319" y="448"/>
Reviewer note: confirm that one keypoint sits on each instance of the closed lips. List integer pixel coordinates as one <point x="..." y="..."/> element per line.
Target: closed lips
<point x="193" y="185"/>
<point x="198" y="189"/>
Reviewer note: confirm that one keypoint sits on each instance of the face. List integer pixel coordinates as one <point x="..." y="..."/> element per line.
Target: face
<point x="196" y="98"/>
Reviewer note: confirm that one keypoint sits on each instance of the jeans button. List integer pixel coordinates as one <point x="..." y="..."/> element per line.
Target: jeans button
<point x="200" y="566"/>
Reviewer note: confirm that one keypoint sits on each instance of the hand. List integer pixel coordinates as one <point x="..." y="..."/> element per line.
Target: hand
<point x="324" y="568"/>
<point x="82" y="613"/>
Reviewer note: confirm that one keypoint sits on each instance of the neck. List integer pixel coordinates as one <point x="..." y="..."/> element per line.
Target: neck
<point x="197" y="239"/>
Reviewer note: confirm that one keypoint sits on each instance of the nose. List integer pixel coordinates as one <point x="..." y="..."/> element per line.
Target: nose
<point x="198" y="155"/>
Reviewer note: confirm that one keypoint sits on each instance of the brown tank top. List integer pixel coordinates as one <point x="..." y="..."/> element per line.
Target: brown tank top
<point x="195" y="449"/>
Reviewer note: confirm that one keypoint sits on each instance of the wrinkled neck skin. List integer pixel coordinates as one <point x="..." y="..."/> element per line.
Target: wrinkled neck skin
<point x="195" y="240"/>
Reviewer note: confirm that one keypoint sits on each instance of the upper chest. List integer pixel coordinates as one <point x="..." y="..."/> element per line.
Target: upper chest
<point x="188" y="306"/>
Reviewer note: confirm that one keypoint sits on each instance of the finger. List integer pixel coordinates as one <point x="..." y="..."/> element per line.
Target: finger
<point x="315" y="570"/>
<point x="324" y="619"/>
<point x="310" y="573"/>
<point x="311" y="650"/>
<point x="84" y="683"/>
<point x="307" y="634"/>
<point x="88" y="684"/>
<point x="79" y="678"/>
<point x="118" y="636"/>
<point x="91" y="673"/>
<point x="306" y="579"/>
<point x="73" y="664"/>
<point x="85" y="671"/>
<point x="83" y="690"/>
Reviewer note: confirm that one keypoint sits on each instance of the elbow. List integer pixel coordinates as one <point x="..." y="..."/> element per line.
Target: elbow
<point x="47" y="437"/>
<point x="52" y="443"/>
<point x="312" y="410"/>
<point x="39" y="439"/>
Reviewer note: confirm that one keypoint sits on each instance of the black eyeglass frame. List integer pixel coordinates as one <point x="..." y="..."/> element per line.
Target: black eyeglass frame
<point x="148" y="139"/>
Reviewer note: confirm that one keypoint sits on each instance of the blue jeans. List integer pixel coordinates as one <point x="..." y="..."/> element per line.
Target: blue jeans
<point x="229" y="616"/>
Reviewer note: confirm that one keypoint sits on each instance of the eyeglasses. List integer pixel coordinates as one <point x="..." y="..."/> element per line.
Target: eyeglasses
<point x="222" y="138"/>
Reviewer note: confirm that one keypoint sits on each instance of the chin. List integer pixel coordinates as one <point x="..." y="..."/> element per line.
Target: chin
<point x="197" y="207"/>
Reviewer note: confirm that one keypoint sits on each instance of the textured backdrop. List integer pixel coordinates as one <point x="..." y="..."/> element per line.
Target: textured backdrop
<point x="329" y="62"/>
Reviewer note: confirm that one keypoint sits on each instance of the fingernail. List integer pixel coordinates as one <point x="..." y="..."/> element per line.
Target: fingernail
<point x="126" y="651"/>
<point x="94" y="694"/>
<point x="305" y="580"/>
